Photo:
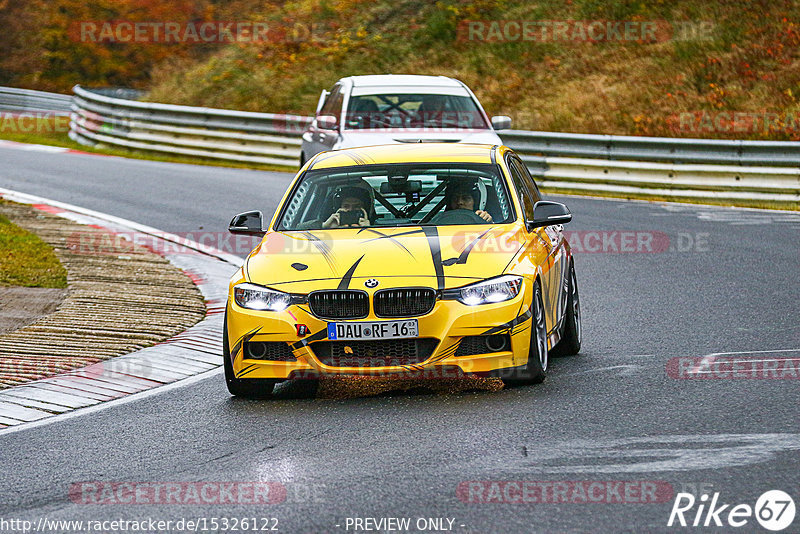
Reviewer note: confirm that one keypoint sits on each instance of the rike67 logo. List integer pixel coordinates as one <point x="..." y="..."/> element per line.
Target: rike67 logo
<point x="774" y="510"/>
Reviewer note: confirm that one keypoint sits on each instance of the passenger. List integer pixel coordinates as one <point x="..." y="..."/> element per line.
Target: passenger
<point x="351" y="199"/>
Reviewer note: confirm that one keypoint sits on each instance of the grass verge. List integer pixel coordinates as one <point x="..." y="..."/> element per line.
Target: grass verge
<point x="26" y="260"/>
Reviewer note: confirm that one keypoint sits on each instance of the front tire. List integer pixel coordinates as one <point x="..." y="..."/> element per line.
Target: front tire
<point x="571" y="340"/>
<point x="535" y="371"/>
<point x="252" y="388"/>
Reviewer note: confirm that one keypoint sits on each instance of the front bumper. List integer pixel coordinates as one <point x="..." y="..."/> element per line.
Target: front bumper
<point x="444" y="327"/>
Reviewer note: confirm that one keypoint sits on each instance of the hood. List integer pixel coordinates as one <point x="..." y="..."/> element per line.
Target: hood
<point x="355" y="138"/>
<point x="439" y="257"/>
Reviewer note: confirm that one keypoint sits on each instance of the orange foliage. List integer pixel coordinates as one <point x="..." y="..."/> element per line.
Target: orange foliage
<point x="47" y="50"/>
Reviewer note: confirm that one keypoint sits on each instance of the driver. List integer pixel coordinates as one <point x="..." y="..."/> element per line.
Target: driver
<point x="351" y="199"/>
<point x="461" y="195"/>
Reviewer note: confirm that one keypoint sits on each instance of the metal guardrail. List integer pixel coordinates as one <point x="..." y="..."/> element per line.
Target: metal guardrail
<point x="265" y="138"/>
<point x="26" y="100"/>
<point x="662" y="149"/>
<point x="700" y="168"/>
<point x="722" y="182"/>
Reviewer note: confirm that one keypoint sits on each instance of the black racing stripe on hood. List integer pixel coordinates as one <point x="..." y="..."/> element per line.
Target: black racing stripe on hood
<point x="462" y="258"/>
<point x="345" y="281"/>
<point x="436" y="253"/>
<point x="410" y="232"/>
<point x="386" y="236"/>
<point x="323" y="247"/>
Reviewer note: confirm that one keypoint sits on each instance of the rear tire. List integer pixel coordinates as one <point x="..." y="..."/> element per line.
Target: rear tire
<point x="571" y="340"/>
<point x="251" y="388"/>
<point x="535" y="371"/>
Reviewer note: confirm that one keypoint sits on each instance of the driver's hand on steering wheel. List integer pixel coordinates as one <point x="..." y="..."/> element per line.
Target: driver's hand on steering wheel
<point x="484" y="215"/>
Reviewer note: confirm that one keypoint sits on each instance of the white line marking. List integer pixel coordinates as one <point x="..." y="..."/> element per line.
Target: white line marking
<point x="626" y="369"/>
<point x="668" y="453"/>
<point x="32" y="147"/>
<point x="666" y="204"/>
<point x="752" y="352"/>
<point x="767" y="360"/>
<point x="109" y="404"/>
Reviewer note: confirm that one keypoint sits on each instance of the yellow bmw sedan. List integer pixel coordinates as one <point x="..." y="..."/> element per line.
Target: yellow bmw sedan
<point x="428" y="260"/>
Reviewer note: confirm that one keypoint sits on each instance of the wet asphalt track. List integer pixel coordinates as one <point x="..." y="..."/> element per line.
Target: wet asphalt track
<point x="610" y="414"/>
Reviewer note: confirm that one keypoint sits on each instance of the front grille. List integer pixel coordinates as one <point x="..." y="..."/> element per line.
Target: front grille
<point x="276" y="351"/>
<point x="339" y="304"/>
<point x="374" y="353"/>
<point x="472" y="345"/>
<point x="404" y="302"/>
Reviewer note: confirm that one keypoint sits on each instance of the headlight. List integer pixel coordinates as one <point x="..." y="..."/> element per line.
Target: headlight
<point x="489" y="291"/>
<point x="255" y="297"/>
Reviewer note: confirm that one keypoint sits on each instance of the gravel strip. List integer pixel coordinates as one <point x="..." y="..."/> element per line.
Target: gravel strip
<point x="115" y="303"/>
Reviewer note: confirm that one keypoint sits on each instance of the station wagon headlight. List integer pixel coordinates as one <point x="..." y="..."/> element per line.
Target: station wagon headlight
<point x="490" y="291"/>
<point x="255" y="297"/>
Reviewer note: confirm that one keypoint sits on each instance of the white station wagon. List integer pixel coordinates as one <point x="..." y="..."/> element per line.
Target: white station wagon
<point x="385" y="109"/>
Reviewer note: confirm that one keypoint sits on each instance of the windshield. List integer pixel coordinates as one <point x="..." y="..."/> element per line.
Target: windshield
<point x="417" y="194"/>
<point x="428" y="111"/>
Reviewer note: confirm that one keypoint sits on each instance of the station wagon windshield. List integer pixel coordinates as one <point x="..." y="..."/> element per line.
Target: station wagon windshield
<point x="366" y="112"/>
<point x="417" y="194"/>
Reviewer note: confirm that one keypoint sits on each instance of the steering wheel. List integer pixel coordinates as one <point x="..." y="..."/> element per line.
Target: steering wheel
<point x="457" y="216"/>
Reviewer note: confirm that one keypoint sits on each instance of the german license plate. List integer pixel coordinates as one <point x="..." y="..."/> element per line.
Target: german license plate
<point x="373" y="330"/>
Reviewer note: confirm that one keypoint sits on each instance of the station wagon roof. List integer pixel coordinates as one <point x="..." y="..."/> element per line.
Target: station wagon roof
<point x="400" y="80"/>
<point x="405" y="153"/>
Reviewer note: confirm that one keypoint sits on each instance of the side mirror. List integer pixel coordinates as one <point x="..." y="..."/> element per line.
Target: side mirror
<point x="248" y="223"/>
<point x="501" y="122"/>
<point x="326" y="122"/>
<point x="546" y="213"/>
